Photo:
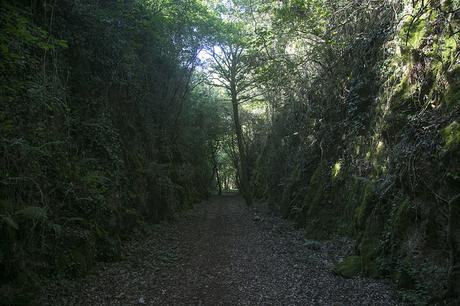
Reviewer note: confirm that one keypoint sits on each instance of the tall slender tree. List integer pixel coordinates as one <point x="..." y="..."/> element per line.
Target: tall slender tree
<point x="232" y="72"/>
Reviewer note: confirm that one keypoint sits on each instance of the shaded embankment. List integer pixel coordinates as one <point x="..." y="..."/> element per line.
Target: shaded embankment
<point x="224" y="253"/>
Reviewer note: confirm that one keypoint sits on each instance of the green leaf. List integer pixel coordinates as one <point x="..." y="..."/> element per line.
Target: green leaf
<point x="62" y="43"/>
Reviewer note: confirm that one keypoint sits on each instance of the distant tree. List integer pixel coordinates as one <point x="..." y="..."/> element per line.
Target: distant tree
<point x="232" y="72"/>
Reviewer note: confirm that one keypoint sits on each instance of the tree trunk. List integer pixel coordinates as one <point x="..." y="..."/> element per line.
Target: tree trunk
<point x="216" y="171"/>
<point x="219" y="183"/>
<point x="233" y="72"/>
<point x="243" y="167"/>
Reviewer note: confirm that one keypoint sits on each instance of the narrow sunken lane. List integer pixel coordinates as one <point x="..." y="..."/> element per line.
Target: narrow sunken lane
<point x="223" y="253"/>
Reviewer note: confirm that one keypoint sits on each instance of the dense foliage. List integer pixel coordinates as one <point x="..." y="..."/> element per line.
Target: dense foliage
<point x="364" y="135"/>
<point x="99" y="131"/>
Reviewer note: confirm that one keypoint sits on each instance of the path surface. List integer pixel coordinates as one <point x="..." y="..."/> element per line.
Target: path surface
<point x="222" y="253"/>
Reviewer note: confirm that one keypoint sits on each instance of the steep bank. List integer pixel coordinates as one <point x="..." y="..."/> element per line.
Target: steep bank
<point x="372" y="151"/>
<point x="95" y="113"/>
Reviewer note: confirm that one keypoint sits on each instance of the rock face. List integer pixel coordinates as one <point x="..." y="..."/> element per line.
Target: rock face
<point x="454" y="242"/>
<point x="383" y="169"/>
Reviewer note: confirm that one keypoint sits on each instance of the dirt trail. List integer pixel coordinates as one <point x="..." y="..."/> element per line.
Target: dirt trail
<point x="223" y="253"/>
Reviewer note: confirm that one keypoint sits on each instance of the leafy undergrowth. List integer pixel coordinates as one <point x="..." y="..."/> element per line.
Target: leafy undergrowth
<point x="90" y="138"/>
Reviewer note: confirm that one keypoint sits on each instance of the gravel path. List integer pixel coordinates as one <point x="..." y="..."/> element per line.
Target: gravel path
<point x="223" y="253"/>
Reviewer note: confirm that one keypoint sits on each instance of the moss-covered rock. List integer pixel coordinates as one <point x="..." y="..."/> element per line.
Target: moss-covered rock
<point x="363" y="210"/>
<point x="349" y="267"/>
<point x="413" y="32"/>
<point x="452" y="96"/>
<point x="386" y="188"/>
<point x="401" y="220"/>
<point x="369" y="246"/>
<point x="451" y="135"/>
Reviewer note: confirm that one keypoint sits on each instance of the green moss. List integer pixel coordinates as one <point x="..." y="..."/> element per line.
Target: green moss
<point x="336" y="169"/>
<point x="402" y="219"/>
<point x="369" y="246"/>
<point x="403" y="93"/>
<point x="413" y="32"/>
<point x="349" y="267"/>
<point x="417" y="34"/>
<point x="452" y="96"/>
<point x="453" y="74"/>
<point x="350" y="198"/>
<point x="288" y="191"/>
<point x="451" y="135"/>
<point x="363" y="210"/>
<point x="321" y="204"/>
<point x="315" y="188"/>
<point x="448" y="49"/>
<point x="436" y="66"/>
